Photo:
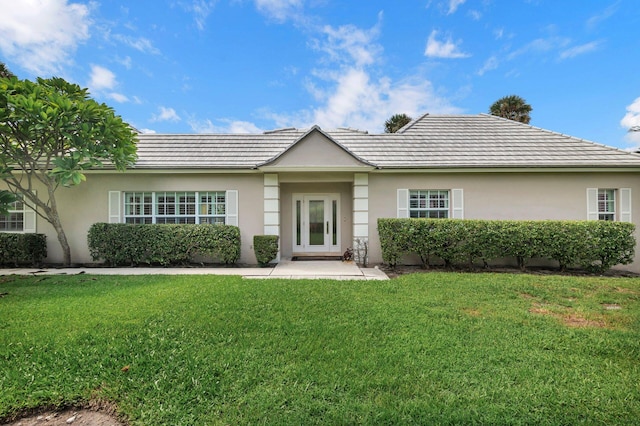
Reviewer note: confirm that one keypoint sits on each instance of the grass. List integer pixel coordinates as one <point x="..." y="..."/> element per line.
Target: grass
<point x="434" y="348"/>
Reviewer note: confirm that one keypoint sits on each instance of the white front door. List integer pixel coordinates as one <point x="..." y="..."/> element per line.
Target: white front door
<point x="316" y="227"/>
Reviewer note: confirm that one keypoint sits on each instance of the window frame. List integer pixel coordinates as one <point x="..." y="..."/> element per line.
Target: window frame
<point x="174" y="207"/>
<point x="429" y="211"/>
<point x="6" y="220"/>
<point x="607" y="204"/>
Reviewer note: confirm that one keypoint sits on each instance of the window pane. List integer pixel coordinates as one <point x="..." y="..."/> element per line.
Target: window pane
<point x="175" y="207"/>
<point x="316" y="222"/>
<point x="334" y="217"/>
<point x="14" y="222"/>
<point x="298" y="223"/>
<point x="606" y="204"/>
<point x="428" y="204"/>
<point x="138" y="204"/>
<point x="212" y="220"/>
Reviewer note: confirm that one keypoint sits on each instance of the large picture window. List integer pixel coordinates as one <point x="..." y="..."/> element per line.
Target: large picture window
<point x="175" y="207"/>
<point x="429" y="204"/>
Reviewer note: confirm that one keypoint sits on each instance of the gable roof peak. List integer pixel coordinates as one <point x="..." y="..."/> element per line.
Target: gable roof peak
<point x="411" y="123"/>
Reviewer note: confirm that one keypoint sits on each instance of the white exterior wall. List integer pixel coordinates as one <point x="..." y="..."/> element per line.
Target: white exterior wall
<point x="535" y="196"/>
<point x="88" y="203"/>
<point x="517" y="196"/>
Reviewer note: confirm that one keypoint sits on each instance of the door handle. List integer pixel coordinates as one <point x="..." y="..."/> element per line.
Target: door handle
<point x="327" y="227"/>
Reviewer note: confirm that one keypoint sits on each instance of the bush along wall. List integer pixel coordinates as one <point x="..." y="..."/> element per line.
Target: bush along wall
<point x="265" y="248"/>
<point x="591" y="245"/>
<point x="125" y="244"/>
<point x="22" y="249"/>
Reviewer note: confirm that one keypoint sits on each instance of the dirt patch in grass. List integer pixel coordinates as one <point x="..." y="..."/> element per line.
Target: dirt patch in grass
<point x="96" y="412"/>
<point x="626" y="291"/>
<point x="611" y="306"/>
<point x="574" y="320"/>
<point x="566" y="316"/>
<point x="472" y="312"/>
<point x="84" y="417"/>
<point x="541" y="311"/>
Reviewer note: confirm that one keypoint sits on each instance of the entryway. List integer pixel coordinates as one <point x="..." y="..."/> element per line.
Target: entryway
<point x="316" y="224"/>
<point x="328" y="269"/>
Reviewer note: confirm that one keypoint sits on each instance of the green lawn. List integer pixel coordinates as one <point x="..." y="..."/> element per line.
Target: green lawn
<point x="437" y="348"/>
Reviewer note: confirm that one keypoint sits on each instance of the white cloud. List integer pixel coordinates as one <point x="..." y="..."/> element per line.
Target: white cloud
<point x="118" y="97"/>
<point x="350" y="88"/>
<point x="542" y="45"/>
<point x="595" y="20"/>
<point x="201" y="10"/>
<point x="475" y="15"/>
<point x="632" y="120"/>
<point x="580" y="50"/>
<point x="142" y="44"/>
<point x="489" y="65"/>
<point x="354" y="99"/>
<point x="227" y="126"/>
<point x="280" y="10"/>
<point x="454" y="5"/>
<point x="357" y="44"/>
<point x="442" y="49"/>
<point x="362" y="103"/>
<point x="125" y="62"/>
<point x="40" y="35"/>
<point x="102" y="81"/>
<point x="101" y="78"/>
<point x="148" y="131"/>
<point x="166" y="114"/>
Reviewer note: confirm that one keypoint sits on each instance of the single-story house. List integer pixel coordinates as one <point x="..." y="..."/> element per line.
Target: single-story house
<point x="322" y="191"/>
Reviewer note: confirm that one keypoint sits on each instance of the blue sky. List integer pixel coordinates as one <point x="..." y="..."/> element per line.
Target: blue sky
<point x="196" y="66"/>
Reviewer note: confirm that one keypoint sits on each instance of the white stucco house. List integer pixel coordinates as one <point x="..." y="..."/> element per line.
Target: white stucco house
<point x="321" y="190"/>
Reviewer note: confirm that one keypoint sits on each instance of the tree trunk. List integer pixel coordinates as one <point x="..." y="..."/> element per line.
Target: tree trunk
<point x="62" y="239"/>
<point x="54" y="219"/>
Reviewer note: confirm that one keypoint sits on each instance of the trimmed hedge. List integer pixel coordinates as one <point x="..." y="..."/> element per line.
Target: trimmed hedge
<point x="127" y="244"/>
<point x="266" y="248"/>
<point x="591" y="245"/>
<point x="22" y="249"/>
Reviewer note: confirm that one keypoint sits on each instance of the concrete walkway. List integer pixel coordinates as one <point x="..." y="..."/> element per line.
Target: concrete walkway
<point x="286" y="268"/>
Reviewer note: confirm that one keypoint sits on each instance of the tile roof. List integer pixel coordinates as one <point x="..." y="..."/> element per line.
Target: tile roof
<point x="431" y="141"/>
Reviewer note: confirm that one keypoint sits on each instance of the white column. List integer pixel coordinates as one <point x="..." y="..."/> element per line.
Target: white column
<point x="272" y="207"/>
<point x="360" y="217"/>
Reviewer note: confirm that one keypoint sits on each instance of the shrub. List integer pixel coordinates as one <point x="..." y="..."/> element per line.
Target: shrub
<point x="22" y="249"/>
<point x="592" y="245"/>
<point x="128" y="244"/>
<point x="265" y="247"/>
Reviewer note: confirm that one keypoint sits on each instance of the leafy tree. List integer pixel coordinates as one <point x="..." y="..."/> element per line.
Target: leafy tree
<point x="512" y="107"/>
<point x="51" y="132"/>
<point x="5" y="72"/>
<point x="396" y="122"/>
<point x="6" y="198"/>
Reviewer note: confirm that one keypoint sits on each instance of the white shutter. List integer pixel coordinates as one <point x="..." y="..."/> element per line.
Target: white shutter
<point x="114" y="207"/>
<point x="625" y="204"/>
<point x="592" y="203"/>
<point x="29" y="219"/>
<point x="403" y="203"/>
<point x="457" y="204"/>
<point x="231" y="208"/>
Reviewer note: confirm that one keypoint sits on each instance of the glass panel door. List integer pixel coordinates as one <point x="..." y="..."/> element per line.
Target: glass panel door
<point x="316" y="222"/>
<point x="316" y="227"/>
